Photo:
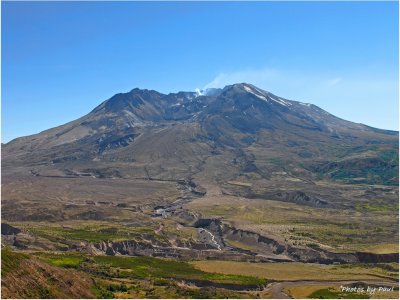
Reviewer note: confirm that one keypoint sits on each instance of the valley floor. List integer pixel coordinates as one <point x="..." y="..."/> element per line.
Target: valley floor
<point x="79" y="238"/>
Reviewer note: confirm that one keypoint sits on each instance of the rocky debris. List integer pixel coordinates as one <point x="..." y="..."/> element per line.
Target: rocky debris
<point x="9" y="234"/>
<point x="269" y="246"/>
<point x="193" y="188"/>
<point x="298" y="197"/>
<point x="91" y="215"/>
<point x="7" y="229"/>
<point x="222" y="232"/>
<point x="125" y="248"/>
<point x="320" y="256"/>
<point x="185" y="216"/>
<point x="189" y="191"/>
<point x="107" y="142"/>
<point x="209" y="237"/>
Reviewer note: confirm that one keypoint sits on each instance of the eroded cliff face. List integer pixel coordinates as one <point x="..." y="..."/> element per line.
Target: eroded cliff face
<point x="270" y="248"/>
<point x="195" y="252"/>
<point x="365" y="257"/>
<point x="216" y="242"/>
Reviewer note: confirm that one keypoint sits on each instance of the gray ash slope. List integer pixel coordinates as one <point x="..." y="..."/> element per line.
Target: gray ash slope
<point x="144" y="133"/>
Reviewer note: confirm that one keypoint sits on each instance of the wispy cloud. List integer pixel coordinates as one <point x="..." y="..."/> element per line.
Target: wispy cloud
<point x="333" y="81"/>
<point x="260" y="77"/>
<point x="274" y="80"/>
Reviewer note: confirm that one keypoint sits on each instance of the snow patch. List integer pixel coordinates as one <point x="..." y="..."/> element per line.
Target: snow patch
<point x="261" y="94"/>
<point x="260" y="91"/>
<point x="255" y="93"/>
<point x="280" y="101"/>
<point x="248" y="89"/>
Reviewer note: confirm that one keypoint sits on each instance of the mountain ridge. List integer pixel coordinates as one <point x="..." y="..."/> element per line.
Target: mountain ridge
<point x="193" y="94"/>
<point x="180" y="130"/>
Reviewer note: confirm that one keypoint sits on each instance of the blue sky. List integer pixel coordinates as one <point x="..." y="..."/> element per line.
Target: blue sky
<point x="60" y="60"/>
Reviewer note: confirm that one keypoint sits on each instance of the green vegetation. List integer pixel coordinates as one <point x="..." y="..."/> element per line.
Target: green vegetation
<point x="149" y="267"/>
<point x="10" y="260"/>
<point x="142" y="267"/>
<point x="364" y="165"/>
<point x="148" y="277"/>
<point x="108" y="291"/>
<point x="302" y="271"/>
<point x="26" y="277"/>
<point x="367" y="171"/>
<point x="367" y="228"/>
<point x="390" y="155"/>
<point x="377" y="206"/>
<point x="166" y="290"/>
<point x="66" y="262"/>
<point x="91" y="233"/>
<point x="340" y="236"/>
<point x="64" y="259"/>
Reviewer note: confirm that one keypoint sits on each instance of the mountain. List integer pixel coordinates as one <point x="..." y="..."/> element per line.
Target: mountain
<point x="248" y="132"/>
<point x="233" y="174"/>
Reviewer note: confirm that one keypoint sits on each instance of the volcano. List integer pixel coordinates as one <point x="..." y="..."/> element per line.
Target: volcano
<point x="241" y="128"/>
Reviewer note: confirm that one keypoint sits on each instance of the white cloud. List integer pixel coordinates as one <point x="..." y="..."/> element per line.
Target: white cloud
<point x="198" y="92"/>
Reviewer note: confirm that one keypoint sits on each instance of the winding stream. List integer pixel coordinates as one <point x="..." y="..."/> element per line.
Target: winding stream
<point x="212" y="237"/>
